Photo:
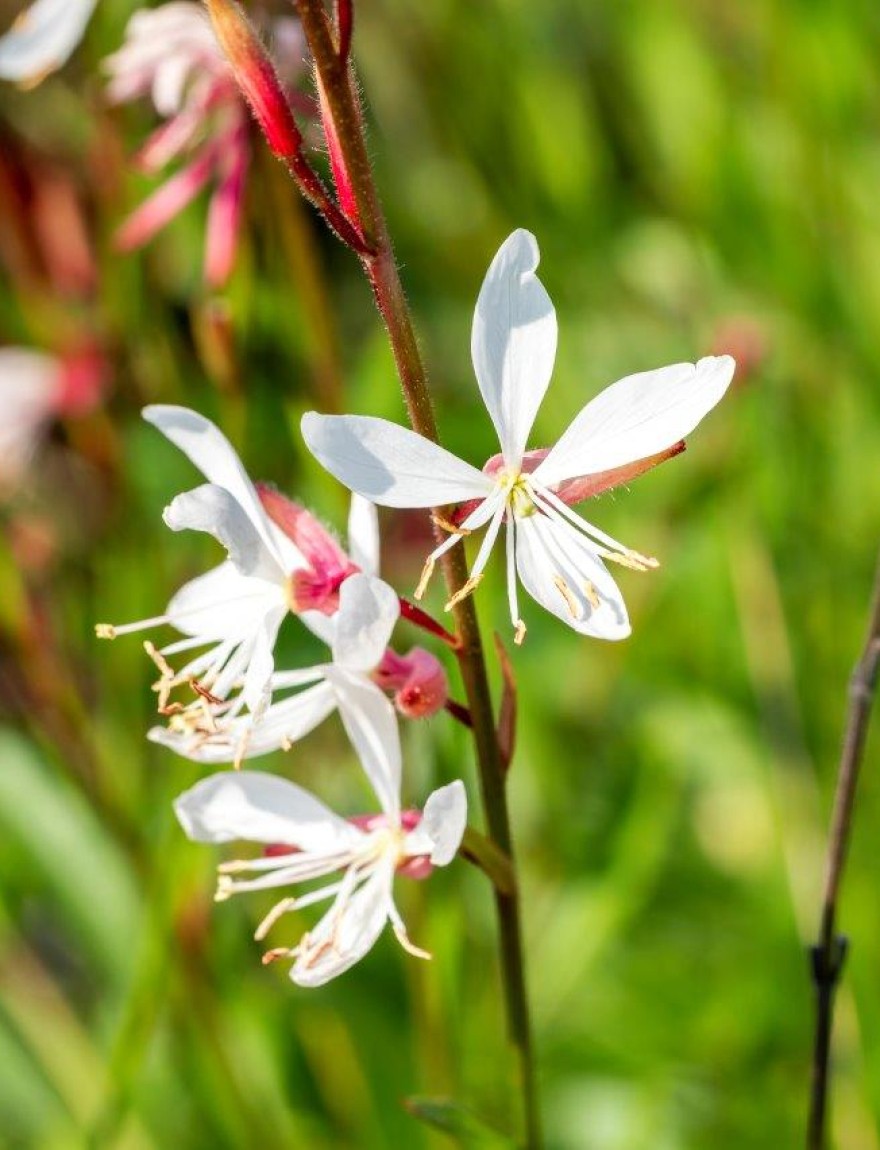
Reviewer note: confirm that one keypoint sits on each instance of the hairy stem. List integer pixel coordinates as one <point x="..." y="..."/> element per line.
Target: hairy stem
<point x="827" y="956"/>
<point x="338" y="89"/>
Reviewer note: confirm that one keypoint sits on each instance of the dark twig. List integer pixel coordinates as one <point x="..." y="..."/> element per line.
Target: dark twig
<point x="827" y="956"/>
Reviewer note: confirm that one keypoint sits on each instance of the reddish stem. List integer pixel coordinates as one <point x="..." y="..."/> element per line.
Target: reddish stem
<point x="420" y="618"/>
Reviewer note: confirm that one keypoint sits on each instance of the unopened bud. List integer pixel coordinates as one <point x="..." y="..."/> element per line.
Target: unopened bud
<point x="255" y="75"/>
<point x="417" y="679"/>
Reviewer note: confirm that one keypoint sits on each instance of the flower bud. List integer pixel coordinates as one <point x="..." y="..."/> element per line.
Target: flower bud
<point x="255" y="74"/>
<point x="418" y="680"/>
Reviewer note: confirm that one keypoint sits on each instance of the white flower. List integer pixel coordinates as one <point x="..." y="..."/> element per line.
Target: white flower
<point x="358" y="635"/>
<point x="236" y="608"/>
<point x="42" y="38"/>
<point x="266" y="809"/>
<point x="557" y="554"/>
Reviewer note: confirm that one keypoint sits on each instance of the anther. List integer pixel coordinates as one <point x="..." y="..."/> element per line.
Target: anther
<point x="592" y="595"/>
<point x="564" y="590"/>
<point x="105" y="630"/>
<point x="272" y="917"/>
<point x="427" y="571"/>
<point x="276" y="953"/>
<point x="464" y="591"/>
<point x="520" y="633"/>
<point x="445" y="525"/>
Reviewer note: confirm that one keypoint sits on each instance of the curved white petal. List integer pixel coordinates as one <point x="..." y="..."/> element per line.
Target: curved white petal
<point x="260" y="808"/>
<point x="389" y="464"/>
<point x="638" y="416"/>
<point x="368" y="610"/>
<point x="42" y="38"/>
<point x="371" y="724"/>
<point x="215" y="510"/>
<point x="443" y="820"/>
<point x="261" y="663"/>
<point x="212" y="453"/>
<point x="513" y="342"/>
<point x="223" y="604"/>
<point x="547" y="553"/>
<point x="347" y="931"/>
<point x="363" y="534"/>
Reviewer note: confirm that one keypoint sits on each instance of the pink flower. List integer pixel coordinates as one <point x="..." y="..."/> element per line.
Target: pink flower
<point x="171" y="55"/>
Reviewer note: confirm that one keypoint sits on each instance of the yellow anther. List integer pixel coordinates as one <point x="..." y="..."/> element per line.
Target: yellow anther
<point x="592" y="595"/>
<point x="276" y="952"/>
<point x="272" y="917"/>
<point x="632" y="559"/>
<point x="105" y="630"/>
<point x="446" y="525"/>
<point x="520" y="633"/>
<point x="427" y="571"/>
<point x="565" y="591"/>
<point x="464" y="591"/>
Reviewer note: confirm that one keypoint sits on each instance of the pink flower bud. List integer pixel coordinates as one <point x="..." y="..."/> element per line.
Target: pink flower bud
<point x="418" y="680"/>
<point x="255" y="74"/>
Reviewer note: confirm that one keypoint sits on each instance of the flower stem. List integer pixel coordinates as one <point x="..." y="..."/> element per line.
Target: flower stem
<point x="827" y="956"/>
<point x="336" y="80"/>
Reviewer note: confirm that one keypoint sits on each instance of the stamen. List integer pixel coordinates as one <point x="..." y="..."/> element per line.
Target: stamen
<point x="225" y="888"/>
<point x="564" y="590"/>
<point x="464" y="591"/>
<point x="520" y="633"/>
<point x="112" y="630"/>
<point x="608" y="548"/>
<point x="592" y="595"/>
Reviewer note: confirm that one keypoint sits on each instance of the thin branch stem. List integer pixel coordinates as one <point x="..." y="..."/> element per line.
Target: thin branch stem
<point x="336" y="80"/>
<point x="419" y="618"/>
<point x="828" y="955"/>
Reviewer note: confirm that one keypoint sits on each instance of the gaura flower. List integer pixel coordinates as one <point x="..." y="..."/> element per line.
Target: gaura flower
<point x="42" y="38"/>
<point x="358" y="636"/>
<point x="171" y="54"/>
<point x="236" y="609"/>
<point x="34" y="389"/>
<point x="629" y="427"/>
<point x="306" y="840"/>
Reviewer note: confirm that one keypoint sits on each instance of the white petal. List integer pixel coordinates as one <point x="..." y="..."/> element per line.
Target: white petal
<point x="42" y="38"/>
<point x="223" y="604"/>
<point x="371" y="724"/>
<point x="213" y="454"/>
<point x="347" y="931"/>
<point x="260" y="808"/>
<point x="638" y="416"/>
<point x="214" y="510"/>
<point x="261" y="662"/>
<point x="368" y="610"/>
<point x="513" y="342"/>
<point x="546" y="552"/>
<point x="389" y="464"/>
<point x="363" y="534"/>
<point x="443" y="820"/>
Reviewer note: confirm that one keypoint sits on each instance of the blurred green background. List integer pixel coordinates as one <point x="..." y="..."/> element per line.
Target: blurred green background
<point x="701" y="177"/>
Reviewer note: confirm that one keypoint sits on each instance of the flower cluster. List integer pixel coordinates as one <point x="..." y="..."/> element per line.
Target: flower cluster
<point x="283" y="563"/>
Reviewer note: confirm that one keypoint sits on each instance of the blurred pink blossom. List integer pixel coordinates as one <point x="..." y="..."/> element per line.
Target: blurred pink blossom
<point x="171" y="55"/>
<point x="35" y="388"/>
